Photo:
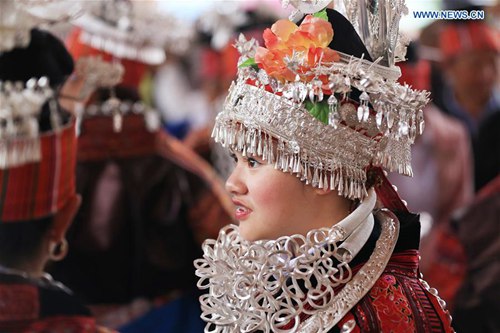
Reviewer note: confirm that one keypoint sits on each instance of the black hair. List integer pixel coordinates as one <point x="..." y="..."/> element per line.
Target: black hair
<point x="123" y="93"/>
<point x="487" y="151"/>
<point x="255" y="21"/>
<point x="46" y="55"/>
<point x="20" y="241"/>
<point x="347" y="40"/>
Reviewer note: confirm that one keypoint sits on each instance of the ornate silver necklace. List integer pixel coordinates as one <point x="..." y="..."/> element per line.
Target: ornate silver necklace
<point x="269" y="286"/>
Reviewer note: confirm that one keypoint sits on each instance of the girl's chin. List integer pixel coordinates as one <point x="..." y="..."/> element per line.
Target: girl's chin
<point x="248" y="233"/>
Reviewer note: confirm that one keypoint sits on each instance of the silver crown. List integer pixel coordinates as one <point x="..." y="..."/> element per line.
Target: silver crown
<point x="20" y="106"/>
<point x="376" y="22"/>
<point x="335" y="152"/>
<point x="134" y="30"/>
<point x="102" y="74"/>
<point x="117" y="109"/>
<point x="98" y="73"/>
<point x="305" y="6"/>
<point x="222" y="21"/>
<point x="18" y="17"/>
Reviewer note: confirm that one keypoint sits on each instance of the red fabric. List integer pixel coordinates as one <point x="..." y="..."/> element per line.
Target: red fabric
<point x="98" y="141"/>
<point x="445" y="266"/>
<point x="134" y="70"/>
<point x="229" y="58"/>
<point x="217" y="65"/>
<point x="392" y="305"/>
<point x="36" y="190"/>
<point x="210" y="64"/>
<point x="56" y="324"/>
<point x="459" y="38"/>
<point x="63" y="324"/>
<point x="416" y="75"/>
<point x="18" y="302"/>
<point x="399" y="303"/>
<point x="387" y="194"/>
<point x="24" y="310"/>
<point x="489" y="189"/>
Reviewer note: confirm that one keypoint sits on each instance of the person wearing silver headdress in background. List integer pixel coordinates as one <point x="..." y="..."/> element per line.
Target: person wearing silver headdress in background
<point x="324" y="243"/>
<point x="146" y="198"/>
<point x="38" y="198"/>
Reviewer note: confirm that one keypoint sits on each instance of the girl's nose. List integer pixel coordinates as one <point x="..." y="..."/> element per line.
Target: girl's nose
<point x="235" y="184"/>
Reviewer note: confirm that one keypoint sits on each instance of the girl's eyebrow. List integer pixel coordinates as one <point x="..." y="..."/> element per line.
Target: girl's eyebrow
<point x="257" y="158"/>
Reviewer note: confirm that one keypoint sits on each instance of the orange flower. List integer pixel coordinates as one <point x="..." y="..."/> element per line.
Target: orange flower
<point x="299" y="48"/>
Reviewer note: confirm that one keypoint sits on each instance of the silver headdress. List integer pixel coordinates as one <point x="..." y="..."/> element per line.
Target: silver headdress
<point x="20" y="107"/>
<point x="117" y="109"/>
<point x="222" y="21"/>
<point x="134" y="30"/>
<point x="297" y="106"/>
<point x="98" y="73"/>
<point x="376" y="21"/>
<point x="18" y="17"/>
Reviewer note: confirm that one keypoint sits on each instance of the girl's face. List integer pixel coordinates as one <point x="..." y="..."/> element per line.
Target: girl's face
<point x="269" y="203"/>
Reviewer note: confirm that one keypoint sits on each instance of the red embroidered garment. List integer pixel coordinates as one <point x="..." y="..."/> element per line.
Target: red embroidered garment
<point x="37" y="190"/>
<point x="399" y="302"/>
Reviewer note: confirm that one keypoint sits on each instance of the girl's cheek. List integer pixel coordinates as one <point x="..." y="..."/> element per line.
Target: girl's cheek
<point x="271" y="190"/>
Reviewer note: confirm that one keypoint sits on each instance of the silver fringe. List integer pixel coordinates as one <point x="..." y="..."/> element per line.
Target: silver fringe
<point x="257" y="122"/>
<point x="20" y="106"/>
<point x="18" y="152"/>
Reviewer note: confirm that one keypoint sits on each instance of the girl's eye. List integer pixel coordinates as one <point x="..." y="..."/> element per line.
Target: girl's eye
<point x="252" y="163"/>
<point x="233" y="157"/>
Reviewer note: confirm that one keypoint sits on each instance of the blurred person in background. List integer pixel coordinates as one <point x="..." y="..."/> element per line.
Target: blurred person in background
<point x="478" y="299"/>
<point x="470" y="64"/>
<point x="38" y="196"/>
<point x="441" y="185"/>
<point x="147" y="200"/>
<point x="190" y="89"/>
<point x="442" y="156"/>
<point x="139" y="225"/>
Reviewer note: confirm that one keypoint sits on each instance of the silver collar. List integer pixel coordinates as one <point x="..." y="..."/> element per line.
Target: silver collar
<point x="267" y="285"/>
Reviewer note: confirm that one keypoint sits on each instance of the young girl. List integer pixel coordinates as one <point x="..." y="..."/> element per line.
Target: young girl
<point x="324" y="244"/>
